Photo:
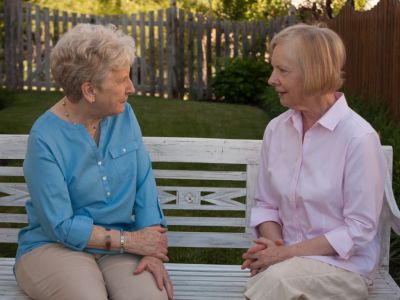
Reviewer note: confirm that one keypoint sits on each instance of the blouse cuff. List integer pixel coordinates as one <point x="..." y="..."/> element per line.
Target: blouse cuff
<point x="260" y="215"/>
<point x="79" y="233"/>
<point x="341" y="241"/>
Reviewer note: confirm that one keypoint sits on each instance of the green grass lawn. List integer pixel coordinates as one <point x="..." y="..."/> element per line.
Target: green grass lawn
<point x="157" y="117"/>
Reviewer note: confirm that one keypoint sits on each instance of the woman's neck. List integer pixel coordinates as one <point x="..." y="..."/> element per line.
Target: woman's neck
<point x="319" y="105"/>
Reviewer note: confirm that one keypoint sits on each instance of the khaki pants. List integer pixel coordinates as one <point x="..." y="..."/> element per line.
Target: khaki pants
<point x="56" y="272"/>
<point x="306" y="279"/>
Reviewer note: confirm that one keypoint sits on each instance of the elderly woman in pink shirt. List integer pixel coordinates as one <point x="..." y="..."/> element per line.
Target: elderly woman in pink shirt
<point x="321" y="180"/>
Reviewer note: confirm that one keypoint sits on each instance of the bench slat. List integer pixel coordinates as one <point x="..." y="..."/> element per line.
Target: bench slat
<point x="11" y="171"/>
<point x="202" y="150"/>
<point x="174" y="221"/>
<point x="199" y="175"/>
<point x="175" y="239"/>
<point x="162" y="174"/>
<point x="191" y="286"/>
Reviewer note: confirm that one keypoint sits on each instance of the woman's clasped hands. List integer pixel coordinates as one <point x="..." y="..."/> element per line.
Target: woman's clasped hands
<point x="263" y="254"/>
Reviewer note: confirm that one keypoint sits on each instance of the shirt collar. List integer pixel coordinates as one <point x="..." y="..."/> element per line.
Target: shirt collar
<point x="335" y="113"/>
<point x="330" y="119"/>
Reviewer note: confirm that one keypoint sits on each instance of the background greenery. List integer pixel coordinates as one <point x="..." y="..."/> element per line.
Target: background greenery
<point x="224" y="9"/>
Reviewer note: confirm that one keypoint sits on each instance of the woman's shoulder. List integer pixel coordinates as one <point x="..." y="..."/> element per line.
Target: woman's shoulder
<point x="355" y="125"/>
<point x="280" y="119"/>
<point x="45" y="124"/>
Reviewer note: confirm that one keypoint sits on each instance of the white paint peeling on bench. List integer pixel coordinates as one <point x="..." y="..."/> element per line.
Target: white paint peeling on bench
<point x="196" y="281"/>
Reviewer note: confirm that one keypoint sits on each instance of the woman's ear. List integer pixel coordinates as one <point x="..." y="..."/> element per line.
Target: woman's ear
<point x="88" y="92"/>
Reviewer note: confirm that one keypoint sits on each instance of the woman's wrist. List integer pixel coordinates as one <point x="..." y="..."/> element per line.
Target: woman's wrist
<point x="111" y="239"/>
<point x="286" y="252"/>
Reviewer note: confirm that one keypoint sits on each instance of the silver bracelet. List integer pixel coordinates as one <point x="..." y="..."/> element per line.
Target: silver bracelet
<point x="121" y="241"/>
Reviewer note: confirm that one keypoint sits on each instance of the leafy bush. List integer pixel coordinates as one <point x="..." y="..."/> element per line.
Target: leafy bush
<point x="241" y="80"/>
<point x="5" y="98"/>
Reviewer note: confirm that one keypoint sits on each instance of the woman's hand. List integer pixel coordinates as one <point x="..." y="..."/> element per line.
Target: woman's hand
<point x="156" y="267"/>
<point x="262" y="255"/>
<point x="150" y="241"/>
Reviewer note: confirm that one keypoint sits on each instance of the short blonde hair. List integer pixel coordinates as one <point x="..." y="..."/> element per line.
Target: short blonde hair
<point x="319" y="53"/>
<point x="87" y="53"/>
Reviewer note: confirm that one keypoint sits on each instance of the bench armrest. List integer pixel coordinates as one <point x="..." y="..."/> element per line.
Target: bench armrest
<point x="394" y="209"/>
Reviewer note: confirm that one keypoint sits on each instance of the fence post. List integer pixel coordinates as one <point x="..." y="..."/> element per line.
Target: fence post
<point x="172" y="44"/>
<point x="13" y="44"/>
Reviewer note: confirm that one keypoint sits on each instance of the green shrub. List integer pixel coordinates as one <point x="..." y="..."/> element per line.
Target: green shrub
<point x="241" y="80"/>
<point x="5" y="98"/>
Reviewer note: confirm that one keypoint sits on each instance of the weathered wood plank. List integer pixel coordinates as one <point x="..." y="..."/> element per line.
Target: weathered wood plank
<point x="235" y="29"/>
<point x="47" y="48"/>
<point x="184" y="174"/>
<point x="173" y="221"/>
<point x="199" y="83"/>
<point x="208" y="61"/>
<point x="170" y="54"/>
<point x="190" y="61"/>
<point x="135" y="74"/>
<point x="160" y="24"/>
<point x="152" y="64"/>
<point x="181" y="54"/>
<point x="143" y="60"/>
<point x="227" y="45"/>
<point x="202" y="150"/>
<point x="245" y="50"/>
<point x="38" y="48"/>
<point x="175" y="239"/>
<point x="29" y="44"/>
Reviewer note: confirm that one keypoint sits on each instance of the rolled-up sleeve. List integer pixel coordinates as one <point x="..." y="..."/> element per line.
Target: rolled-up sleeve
<point x="148" y="211"/>
<point x="147" y="206"/>
<point x="363" y="188"/>
<point x="50" y="197"/>
<point x="266" y="208"/>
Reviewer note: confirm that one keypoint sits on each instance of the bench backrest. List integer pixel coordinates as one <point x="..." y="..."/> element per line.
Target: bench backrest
<point x="206" y="188"/>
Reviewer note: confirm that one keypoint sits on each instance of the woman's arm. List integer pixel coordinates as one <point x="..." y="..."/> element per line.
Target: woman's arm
<point x="150" y="241"/>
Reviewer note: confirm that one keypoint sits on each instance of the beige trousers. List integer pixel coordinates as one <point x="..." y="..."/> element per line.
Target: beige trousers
<point x="56" y="272"/>
<point x="306" y="279"/>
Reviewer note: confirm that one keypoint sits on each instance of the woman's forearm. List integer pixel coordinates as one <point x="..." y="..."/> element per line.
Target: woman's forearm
<point x="270" y="230"/>
<point x="100" y="237"/>
<point x="316" y="246"/>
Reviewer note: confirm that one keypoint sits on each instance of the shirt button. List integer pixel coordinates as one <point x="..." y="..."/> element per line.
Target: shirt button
<point x="99" y="162"/>
<point x="108" y="194"/>
<point x="123" y="149"/>
<point x="104" y="178"/>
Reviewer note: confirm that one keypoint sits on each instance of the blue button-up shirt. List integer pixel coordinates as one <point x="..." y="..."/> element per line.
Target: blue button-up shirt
<point x="75" y="184"/>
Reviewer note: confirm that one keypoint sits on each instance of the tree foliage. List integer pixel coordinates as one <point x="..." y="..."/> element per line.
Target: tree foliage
<point x="103" y="7"/>
<point x="224" y="9"/>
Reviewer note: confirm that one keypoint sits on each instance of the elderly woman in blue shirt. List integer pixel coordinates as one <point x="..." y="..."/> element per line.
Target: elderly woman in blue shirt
<point x="87" y="170"/>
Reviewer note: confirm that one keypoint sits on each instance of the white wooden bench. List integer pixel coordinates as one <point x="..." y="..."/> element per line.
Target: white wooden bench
<point x="228" y="203"/>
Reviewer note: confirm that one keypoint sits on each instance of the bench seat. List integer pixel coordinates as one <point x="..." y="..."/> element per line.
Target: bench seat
<point x="202" y="282"/>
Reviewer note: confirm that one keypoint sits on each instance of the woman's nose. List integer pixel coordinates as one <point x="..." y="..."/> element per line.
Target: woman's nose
<point x="272" y="80"/>
<point x="131" y="88"/>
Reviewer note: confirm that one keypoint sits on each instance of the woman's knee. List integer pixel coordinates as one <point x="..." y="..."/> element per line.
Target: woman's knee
<point x="55" y="272"/>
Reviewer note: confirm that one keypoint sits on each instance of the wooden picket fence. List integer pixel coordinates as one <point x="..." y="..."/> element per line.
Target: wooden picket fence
<point x="177" y="51"/>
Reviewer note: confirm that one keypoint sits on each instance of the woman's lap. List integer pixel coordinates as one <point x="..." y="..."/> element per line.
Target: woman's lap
<point x="56" y="272"/>
<point x="303" y="278"/>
